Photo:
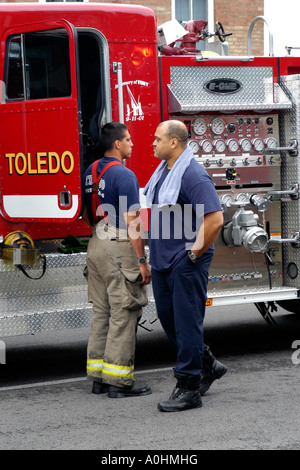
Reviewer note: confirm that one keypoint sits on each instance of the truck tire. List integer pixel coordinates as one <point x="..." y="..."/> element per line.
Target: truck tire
<point x="292" y="305"/>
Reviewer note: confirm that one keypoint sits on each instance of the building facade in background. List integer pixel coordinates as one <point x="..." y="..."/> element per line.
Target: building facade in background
<point x="235" y="17"/>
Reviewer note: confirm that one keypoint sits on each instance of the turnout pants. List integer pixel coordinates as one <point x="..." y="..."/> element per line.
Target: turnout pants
<point x="180" y="295"/>
<point x="117" y="296"/>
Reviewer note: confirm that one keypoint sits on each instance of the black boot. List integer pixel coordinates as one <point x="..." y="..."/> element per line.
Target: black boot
<point x="135" y="390"/>
<point x="185" y="395"/>
<point x="99" y="388"/>
<point x="212" y="370"/>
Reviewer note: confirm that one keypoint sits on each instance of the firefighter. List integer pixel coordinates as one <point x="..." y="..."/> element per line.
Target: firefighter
<point x="118" y="271"/>
<point x="181" y="196"/>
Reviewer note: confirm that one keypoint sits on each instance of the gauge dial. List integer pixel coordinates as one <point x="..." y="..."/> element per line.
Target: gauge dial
<point x="242" y="197"/>
<point x="219" y="145"/>
<point x="245" y="145"/>
<point x="232" y="145"/>
<point x="258" y="145"/>
<point x="206" y="146"/>
<point x="271" y="143"/>
<point x="231" y="128"/>
<point x="217" y="126"/>
<point x="194" y="146"/>
<point x="199" y="126"/>
<point x="226" y="199"/>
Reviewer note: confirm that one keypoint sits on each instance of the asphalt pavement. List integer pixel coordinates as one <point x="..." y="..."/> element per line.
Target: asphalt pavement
<point x="255" y="406"/>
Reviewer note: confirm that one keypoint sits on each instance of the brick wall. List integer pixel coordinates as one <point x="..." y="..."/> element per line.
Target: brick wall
<point x="236" y="18"/>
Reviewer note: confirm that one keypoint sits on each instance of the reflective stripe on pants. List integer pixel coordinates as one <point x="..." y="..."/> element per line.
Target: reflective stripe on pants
<point x="94" y="365"/>
<point x="117" y="371"/>
<point x="97" y="365"/>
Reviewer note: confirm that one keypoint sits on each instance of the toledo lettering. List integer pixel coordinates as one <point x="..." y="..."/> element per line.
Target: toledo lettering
<point x="42" y="163"/>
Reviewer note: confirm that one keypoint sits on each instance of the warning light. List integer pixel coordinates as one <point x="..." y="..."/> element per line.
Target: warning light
<point x="188" y="127"/>
<point x="139" y="54"/>
<point x="209" y="302"/>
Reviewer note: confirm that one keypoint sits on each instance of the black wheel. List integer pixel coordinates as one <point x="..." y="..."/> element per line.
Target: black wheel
<point x="292" y="305"/>
<point x="220" y="31"/>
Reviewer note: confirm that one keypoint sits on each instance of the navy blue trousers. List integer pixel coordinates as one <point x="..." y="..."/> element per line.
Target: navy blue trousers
<point x="180" y="295"/>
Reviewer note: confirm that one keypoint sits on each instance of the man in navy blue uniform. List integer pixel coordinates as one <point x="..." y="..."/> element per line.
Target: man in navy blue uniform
<point x="118" y="271"/>
<point x="186" y="218"/>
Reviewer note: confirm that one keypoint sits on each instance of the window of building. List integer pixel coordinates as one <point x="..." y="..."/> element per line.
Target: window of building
<point x="38" y="66"/>
<point x="185" y="10"/>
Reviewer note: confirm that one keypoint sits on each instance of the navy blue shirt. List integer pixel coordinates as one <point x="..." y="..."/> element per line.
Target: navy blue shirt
<point x="173" y="229"/>
<point x="118" y="191"/>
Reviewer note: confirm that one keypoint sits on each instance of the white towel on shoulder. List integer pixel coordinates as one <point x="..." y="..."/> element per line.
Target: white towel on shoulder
<point x="170" y="188"/>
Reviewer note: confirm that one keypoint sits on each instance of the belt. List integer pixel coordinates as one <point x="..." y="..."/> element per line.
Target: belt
<point x="113" y="233"/>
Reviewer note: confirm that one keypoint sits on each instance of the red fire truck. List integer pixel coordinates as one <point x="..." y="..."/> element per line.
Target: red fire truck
<point x="68" y="68"/>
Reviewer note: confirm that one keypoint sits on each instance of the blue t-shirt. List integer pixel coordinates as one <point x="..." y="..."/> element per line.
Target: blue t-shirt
<point x="173" y="229"/>
<point x="118" y="191"/>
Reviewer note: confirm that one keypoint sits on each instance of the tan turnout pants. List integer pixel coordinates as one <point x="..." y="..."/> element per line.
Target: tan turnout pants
<point x="117" y="296"/>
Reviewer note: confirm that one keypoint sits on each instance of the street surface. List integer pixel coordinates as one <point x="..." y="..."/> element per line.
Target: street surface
<point x="46" y="402"/>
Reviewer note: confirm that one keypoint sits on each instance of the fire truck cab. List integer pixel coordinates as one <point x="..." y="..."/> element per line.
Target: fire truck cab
<point x="61" y="72"/>
<point x="65" y="70"/>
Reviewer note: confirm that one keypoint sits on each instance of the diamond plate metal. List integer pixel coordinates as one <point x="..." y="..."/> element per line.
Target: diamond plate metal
<point x="58" y="300"/>
<point x="187" y="93"/>
<point x="290" y="128"/>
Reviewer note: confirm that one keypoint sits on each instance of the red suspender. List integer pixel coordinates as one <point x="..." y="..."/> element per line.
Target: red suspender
<point x="97" y="212"/>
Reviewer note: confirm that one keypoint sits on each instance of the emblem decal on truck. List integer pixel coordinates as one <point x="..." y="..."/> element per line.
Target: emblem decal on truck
<point x="134" y="111"/>
<point x="223" y="86"/>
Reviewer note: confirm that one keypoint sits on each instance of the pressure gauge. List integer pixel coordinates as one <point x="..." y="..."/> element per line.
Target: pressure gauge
<point x="226" y="200"/>
<point x="219" y="145"/>
<point x="271" y="143"/>
<point x="194" y="146"/>
<point x="232" y="145"/>
<point x="242" y="197"/>
<point x="199" y="126"/>
<point x="217" y="126"/>
<point x="245" y="145"/>
<point x="258" y="145"/>
<point x="206" y="146"/>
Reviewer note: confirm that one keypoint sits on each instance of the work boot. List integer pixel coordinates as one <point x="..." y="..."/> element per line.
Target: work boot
<point x="135" y="390"/>
<point x="185" y="395"/>
<point x="212" y="370"/>
<point x="99" y="388"/>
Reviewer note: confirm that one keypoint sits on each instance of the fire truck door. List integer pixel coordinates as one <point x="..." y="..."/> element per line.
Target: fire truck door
<point x="40" y="143"/>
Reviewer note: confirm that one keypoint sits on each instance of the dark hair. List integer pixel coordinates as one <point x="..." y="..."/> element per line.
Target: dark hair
<point x="111" y="132"/>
